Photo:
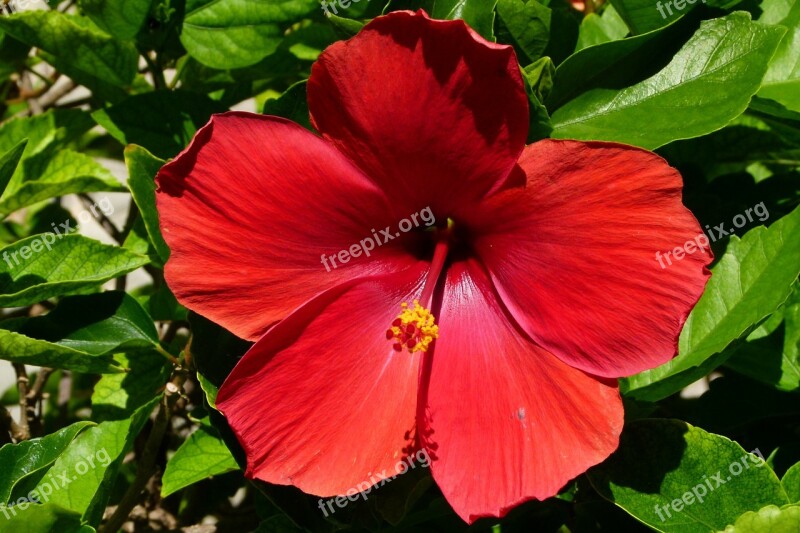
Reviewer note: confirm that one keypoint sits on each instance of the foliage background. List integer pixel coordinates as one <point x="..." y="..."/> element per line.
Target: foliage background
<point x="91" y="85"/>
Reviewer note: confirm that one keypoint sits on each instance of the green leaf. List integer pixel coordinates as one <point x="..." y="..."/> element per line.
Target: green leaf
<point x="597" y="29"/>
<point x="227" y="34"/>
<point x="44" y="176"/>
<point x="769" y="519"/>
<point x="8" y="164"/>
<point x="538" y="83"/>
<point x="748" y="141"/>
<point x="215" y="350"/>
<point x="292" y="104"/>
<point x="209" y="389"/>
<point x="618" y="64"/>
<point x="479" y="14"/>
<point x="120" y="19"/>
<point x="772" y="352"/>
<point x="782" y="80"/>
<point x="91" y="464"/>
<point x="162" y="305"/>
<point x="88" y="56"/>
<point x="47" y="265"/>
<point x="526" y="26"/>
<point x="13" y="54"/>
<point x="678" y="478"/>
<point x="203" y="455"/>
<point x="791" y="483"/>
<point x="41" y="518"/>
<point x="97" y="324"/>
<point x="142" y="170"/>
<point x="48" y="130"/>
<point x="752" y="279"/>
<point x="162" y="121"/>
<point x="21" y="349"/>
<point x="345" y="27"/>
<point x="32" y="458"/>
<point x="118" y="396"/>
<point x="682" y="100"/>
<point x="307" y="42"/>
<point x="643" y="16"/>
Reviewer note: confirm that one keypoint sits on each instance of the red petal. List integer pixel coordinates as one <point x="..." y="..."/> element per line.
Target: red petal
<point x="532" y="422"/>
<point x="573" y="255"/>
<point x="247" y="210"/>
<point x="322" y="401"/>
<point x="427" y="108"/>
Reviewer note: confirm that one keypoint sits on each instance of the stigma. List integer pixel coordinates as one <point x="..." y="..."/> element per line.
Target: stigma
<point x="414" y="329"/>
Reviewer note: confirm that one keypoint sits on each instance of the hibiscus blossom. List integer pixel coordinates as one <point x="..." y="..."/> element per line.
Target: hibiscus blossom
<point x="536" y="287"/>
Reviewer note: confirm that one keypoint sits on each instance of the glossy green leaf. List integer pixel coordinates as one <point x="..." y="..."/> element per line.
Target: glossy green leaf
<point x="306" y="43"/>
<point x="227" y="34"/>
<point x="118" y="396"/>
<point x="102" y="63"/>
<point x="752" y="279"/>
<point x="782" y="81"/>
<point x="538" y="83"/>
<point x="618" y="64"/>
<point x="13" y="55"/>
<point x="47" y="265"/>
<point x="48" y="130"/>
<point x="19" y="348"/>
<point x="344" y="27"/>
<point x="162" y="121"/>
<point x="209" y="389"/>
<point x="45" y="176"/>
<point x="203" y="455"/>
<point x="104" y="323"/>
<point x="643" y="16"/>
<point x="526" y="25"/>
<point x="142" y="170"/>
<point x="597" y="29"/>
<point x="791" y="483"/>
<point x="479" y="14"/>
<point x="682" y="100"/>
<point x="8" y="164"/>
<point x="32" y="458"/>
<point x="748" y="141"/>
<point x="120" y="19"/>
<point x="772" y="351"/>
<point x="769" y="519"/>
<point x="292" y="104"/>
<point x="42" y="518"/>
<point x="678" y="478"/>
<point x="90" y="465"/>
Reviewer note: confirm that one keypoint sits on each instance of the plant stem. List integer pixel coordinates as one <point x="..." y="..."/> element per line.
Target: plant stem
<point x="10" y="427"/>
<point x="147" y="463"/>
<point x="155" y="70"/>
<point x="24" y="432"/>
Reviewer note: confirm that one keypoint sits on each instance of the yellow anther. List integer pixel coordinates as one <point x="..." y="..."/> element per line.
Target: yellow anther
<point x="414" y="329"/>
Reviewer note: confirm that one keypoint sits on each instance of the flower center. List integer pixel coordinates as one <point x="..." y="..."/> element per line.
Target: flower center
<point x="415" y="327"/>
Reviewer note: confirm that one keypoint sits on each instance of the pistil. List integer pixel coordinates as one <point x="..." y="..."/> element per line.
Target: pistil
<point x="415" y="327"/>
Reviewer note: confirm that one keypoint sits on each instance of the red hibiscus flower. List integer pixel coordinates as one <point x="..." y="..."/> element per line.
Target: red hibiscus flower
<point x="537" y="285"/>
